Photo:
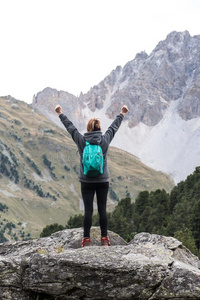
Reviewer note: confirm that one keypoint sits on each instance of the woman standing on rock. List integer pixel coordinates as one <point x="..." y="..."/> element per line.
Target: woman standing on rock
<point x="99" y="184"/>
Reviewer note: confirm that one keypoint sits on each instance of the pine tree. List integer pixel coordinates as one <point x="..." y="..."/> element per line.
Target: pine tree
<point x="49" y="229"/>
<point x="185" y="236"/>
<point x="75" y="221"/>
<point x="195" y="223"/>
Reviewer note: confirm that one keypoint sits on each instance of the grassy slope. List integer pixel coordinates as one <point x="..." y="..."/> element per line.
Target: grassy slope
<point x="26" y="133"/>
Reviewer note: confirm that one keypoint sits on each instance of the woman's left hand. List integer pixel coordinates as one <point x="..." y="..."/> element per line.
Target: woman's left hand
<point x="58" y="109"/>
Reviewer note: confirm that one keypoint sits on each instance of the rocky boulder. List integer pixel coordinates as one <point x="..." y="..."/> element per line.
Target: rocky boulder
<point x="56" y="268"/>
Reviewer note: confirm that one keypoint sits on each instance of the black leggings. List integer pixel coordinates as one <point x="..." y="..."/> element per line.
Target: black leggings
<point x="88" y="191"/>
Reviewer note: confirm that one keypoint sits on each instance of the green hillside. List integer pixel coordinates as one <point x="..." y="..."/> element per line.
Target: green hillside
<point x="39" y="168"/>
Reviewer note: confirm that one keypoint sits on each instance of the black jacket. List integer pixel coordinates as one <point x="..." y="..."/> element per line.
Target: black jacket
<point x="94" y="137"/>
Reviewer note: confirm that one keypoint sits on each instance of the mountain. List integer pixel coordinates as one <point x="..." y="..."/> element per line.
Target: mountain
<point x="162" y="91"/>
<point x="39" y="173"/>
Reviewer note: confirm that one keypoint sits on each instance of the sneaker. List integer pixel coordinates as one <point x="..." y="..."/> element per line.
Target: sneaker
<point x="105" y="241"/>
<point x="85" y="242"/>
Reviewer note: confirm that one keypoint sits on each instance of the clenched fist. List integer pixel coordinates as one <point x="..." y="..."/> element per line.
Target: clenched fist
<point x="124" y="110"/>
<point x="58" y="109"/>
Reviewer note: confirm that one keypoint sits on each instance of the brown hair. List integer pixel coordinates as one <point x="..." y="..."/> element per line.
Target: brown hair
<point x="93" y="125"/>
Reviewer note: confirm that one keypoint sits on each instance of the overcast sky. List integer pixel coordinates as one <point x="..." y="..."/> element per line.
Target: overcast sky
<point x="72" y="45"/>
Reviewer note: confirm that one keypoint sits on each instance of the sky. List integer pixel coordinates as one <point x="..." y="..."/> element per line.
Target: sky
<point x="72" y="45"/>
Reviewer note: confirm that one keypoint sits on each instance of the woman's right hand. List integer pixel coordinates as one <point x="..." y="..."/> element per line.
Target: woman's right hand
<point x="58" y="109"/>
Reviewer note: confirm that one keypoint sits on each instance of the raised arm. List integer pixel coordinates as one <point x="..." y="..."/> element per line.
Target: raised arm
<point x="73" y="131"/>
<point x="109" y="134"/>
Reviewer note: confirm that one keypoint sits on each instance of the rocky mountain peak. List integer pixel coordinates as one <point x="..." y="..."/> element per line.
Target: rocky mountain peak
<point x="177" y="37"/>
<point x="141" y="55"/>
<point x="146" y="84"/>
<point x="47" y="99"/>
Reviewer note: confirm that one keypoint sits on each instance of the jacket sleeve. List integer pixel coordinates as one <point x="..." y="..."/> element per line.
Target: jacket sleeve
<point x="73" y="131"/>
<point x="110" y="133"/>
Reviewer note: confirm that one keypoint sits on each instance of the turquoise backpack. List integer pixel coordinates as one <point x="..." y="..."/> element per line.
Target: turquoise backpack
<point x="92" y="160"/>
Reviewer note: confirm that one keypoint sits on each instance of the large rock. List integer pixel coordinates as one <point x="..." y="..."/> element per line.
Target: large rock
<point x="149" y="267"/>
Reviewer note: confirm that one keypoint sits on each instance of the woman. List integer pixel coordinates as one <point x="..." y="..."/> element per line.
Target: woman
<point x="92" y="185"/>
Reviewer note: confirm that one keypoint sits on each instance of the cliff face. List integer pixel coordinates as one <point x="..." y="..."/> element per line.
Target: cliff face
<point x="149" y="267"/>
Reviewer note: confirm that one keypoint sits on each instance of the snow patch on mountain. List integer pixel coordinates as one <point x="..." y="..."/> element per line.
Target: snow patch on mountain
<point x="165" y="147"/>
